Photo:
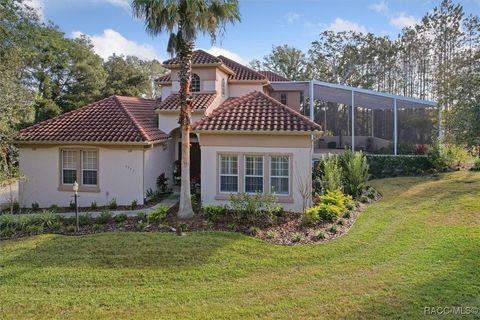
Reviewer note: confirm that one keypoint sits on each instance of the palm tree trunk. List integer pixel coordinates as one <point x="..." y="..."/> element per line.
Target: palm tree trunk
<point x="185" y="210"/>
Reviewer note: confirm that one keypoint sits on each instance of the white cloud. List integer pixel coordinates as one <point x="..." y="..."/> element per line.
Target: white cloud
<point x="340" y="24"/>
<point x="110" y="41"/>
<point x="216" y="51"/>
<point x="292" y="17"/>
<point x="402" y="20"/>
<point x="380" y="7"/>
<point x="37" y="5"/>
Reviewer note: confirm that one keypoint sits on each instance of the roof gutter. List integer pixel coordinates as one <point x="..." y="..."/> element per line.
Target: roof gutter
<point x="103" y="143"/>
<point x="262" y="132"/>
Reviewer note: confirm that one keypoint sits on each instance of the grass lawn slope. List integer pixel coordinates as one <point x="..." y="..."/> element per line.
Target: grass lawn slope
<point x="417" y="247"/>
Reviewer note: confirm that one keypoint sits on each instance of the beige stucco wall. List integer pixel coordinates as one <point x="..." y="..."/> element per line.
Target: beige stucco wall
<point x="168" y="120"/>
<point x="157" y="160"/>
<point x="299" y="148"/>
<point x="293" y="98"/>
<point x="238" y="90"/>
<point x="120" y="176"/>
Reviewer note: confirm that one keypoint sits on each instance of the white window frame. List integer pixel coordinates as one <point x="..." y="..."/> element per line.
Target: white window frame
<point x="220" y="174"/>
<point x="83" y="169"/>
<point x="245" y="175"/>
<point x="223" y="87"/>
<point x="281" y="177"/>
<point x="195" y="76"/>
<point x="63" y="167"/>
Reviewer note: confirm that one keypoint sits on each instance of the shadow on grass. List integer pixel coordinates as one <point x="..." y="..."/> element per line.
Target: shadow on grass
<point x="122" y="250"/>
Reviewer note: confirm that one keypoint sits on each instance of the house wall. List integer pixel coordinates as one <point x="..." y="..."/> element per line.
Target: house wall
<point x="157" y="160"/>
<point x="293" y="98"/>
<point x="121" y="176"/>
<point x="238" y="90"/>
<point x="208" y="79"/>
<point x="299" y="148"/>
<point x="168" y="120"/>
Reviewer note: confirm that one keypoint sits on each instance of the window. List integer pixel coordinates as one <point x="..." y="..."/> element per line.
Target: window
<point x="228" y="173"/>
<point x="89" y="168"/>
<point x="195" y="83"/>
<point x="224" y="89"/>
<point x="254" y="174"/>
<point x="280" y="175"/>
<point x="283" y="98"/>
<point x="69" y="166"/>
<point x="301" y="98"/>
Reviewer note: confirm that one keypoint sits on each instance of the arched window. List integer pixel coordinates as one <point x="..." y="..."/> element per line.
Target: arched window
<point x="195" y="83"/>
<point x="223" y="87"/>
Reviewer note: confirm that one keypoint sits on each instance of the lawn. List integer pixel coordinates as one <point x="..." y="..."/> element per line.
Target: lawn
<point x="419" y="246"/>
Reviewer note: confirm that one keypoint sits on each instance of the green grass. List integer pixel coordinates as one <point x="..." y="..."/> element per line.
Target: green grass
<point x="419" y="246"/>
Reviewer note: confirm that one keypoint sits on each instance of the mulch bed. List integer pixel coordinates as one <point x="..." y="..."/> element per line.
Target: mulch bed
<point x="288" y="229"/>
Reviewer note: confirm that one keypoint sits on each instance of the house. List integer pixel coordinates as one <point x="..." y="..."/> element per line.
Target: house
<point x="246" y="137"/>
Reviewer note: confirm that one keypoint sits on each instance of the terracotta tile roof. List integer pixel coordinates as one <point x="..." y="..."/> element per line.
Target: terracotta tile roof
<point x="241" y="72"/>
<point x="166" y="78"/>
<point x="113" y="119"/>
<point x="198" y="57"/>
<point x="272" y="76"/>
<point x="201" y="101"/>
<point x="255" y="112"/>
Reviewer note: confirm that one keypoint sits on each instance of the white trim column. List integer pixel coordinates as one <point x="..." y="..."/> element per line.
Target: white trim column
<point x="312" y="103"/>
<point x="353" y="121"/>
<point x="395" y="127"/>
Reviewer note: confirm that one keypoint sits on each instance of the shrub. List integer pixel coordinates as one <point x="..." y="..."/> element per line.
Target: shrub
<point x="93" y="205"/>
<point x="47" y="219"/>
<point x="158" y="214"/>
<point x="35" y="206"/>
<point x="141" y="216"/>
<point x="194" y="198"/>
<point x="213" y="212"/>
<point x="70" y="229"/>
<point x="346" y="215"/>
<point x="349" y="205"/>
<point x="253" y="230"/>
<point x="298" y="237"/>
<point x="248" y="206"/>
<point x="97" y="227"/>
<point x="312" y="215"/>
<point x="34" y="229"/>
<point x="119" y="218"/>
<point x="162" y="183"/>
<point x="355" y="168"/>
<point x="328" y="212"/>
<point x="141" y="226"/>
<point x="7" y="232"/>
<point x="8" y="221"/>
<point x="105" y="217"/>
<point x="476" y="165"/>
<point x="332" y="175"/>
<point x="134" y="204"/>
<point x="455" y="156"/>
<point x="392" y="166"/>
<point x="53" y="208"/>
<point x="72" y="205"/>
<point x="112" y="205"/>
<point x="341" y="222"/>
<point x="271" y="234"/>
<point x="333" y="229"/>
<point x="85" y="219"/>
<point x="320" y="235"/>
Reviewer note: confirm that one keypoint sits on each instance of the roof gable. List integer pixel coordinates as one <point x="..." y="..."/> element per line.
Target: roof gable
<point x="255" y="112"/>
<point x="114" y="119"/>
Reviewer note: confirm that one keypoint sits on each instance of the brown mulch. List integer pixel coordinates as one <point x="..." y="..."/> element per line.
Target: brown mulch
<point x="288" y="229"/>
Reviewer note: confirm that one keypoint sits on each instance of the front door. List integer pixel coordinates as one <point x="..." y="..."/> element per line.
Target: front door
<point x="194" y="159"/>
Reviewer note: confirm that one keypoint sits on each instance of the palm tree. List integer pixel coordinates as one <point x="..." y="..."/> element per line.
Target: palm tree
<point x="183" y="20"/>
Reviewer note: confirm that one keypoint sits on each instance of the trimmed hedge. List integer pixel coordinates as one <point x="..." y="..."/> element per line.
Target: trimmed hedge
<point x="393" y="166"/>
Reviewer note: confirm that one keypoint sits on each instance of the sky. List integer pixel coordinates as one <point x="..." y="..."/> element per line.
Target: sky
<point x="264" y="23"/>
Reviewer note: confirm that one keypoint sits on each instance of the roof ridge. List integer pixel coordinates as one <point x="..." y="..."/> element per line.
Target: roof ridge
<point x="242" y="65"/>
<point x="132" y="118"/>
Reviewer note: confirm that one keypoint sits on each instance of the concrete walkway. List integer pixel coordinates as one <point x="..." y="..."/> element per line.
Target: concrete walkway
<point x="169" y="201"/>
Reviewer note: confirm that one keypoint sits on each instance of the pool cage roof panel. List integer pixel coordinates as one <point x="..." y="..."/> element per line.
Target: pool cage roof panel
<point x="364" y="98"/>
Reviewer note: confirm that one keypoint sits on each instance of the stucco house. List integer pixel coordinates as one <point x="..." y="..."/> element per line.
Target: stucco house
<point x="246" y="137"/>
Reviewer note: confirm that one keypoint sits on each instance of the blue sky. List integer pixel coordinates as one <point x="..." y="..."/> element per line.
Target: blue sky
<point x="265" y="23"/>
